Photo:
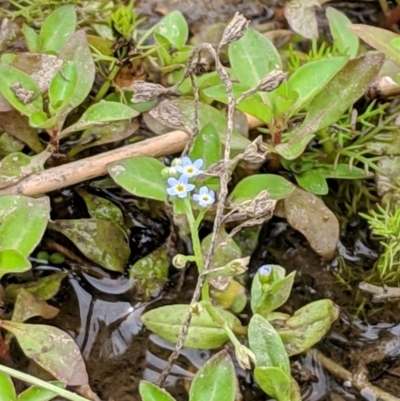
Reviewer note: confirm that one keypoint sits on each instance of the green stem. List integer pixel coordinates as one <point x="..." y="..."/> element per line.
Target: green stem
<point x="106" y="85"/>
<point x="40" y="383"/>
<point x="327" y="143"/>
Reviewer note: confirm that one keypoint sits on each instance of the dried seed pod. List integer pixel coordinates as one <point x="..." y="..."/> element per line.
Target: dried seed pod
<point x="235" y="29"/>
<point x="256" y="152"/>
<point x="169" y="115"/>
<point x="272" y="81"/>
<point x="145" y="91"/>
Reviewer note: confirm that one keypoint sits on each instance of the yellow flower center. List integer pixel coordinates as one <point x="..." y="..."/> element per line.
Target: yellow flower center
<point x="180" y="188"/>
<point x="190" y="170"/>
<point x="205" y="198"/>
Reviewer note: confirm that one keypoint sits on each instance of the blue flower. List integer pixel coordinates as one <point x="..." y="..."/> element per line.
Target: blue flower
<point x="205" y="197"/>
<point x="179" y="188"/>
<point x="265" y="270"/>
<point x="189" y="169"/>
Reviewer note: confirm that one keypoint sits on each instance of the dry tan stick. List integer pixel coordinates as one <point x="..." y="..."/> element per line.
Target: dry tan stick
<point x="95" y="166"/>
<point x="360" y="384"/>
<point x="380" y="294"/>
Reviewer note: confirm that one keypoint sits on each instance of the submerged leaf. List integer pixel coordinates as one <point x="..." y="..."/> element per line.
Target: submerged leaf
<point x="99" y="240"/>
<point x="308" y="214"/>
<point x="52" y="349"/>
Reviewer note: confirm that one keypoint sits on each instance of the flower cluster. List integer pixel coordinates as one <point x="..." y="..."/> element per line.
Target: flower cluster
<point x="181" y="186"/>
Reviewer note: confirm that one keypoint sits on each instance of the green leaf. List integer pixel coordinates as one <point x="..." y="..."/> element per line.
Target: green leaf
<point x="62" y="86"/>
<point x="31" y="38"/>
<point x="206" y="114"/>
<point x="150" y="392"/>
<point x="23" y="221"/>
<point x="248" y="188"/>
<point x="77" y="51"/>
<point x="204" y="333"/>
<point x="274" y="382"/>
<point x="101" y="208"/>
<point x="35" y="393"/>
<point x="11" y="261"/>
<point x="57" y="29"/>
<point x="342" y="91"/>
<point x="378" y="38"/>
<point x="7" y="390"/>
<point x="253" y="105"/>
<point x="267" y="346"/>
<point x="311" y="78"/>
<point x="207" y="146"/>
<point x="100" y="113"/>
<point x="141" y="176"/>
<point x="344" y="38"/>
<point x="308" y="326"/>
<point x="27" y="306"/>
<point x="45" y="288"/>
<point x="313" y="181"/>
<point x="39" y="119"/>
<point x="270" y="293"/>
<point x="52" y="349"/>
<point x="215" y="380"/>
<point x="252" y="57"/>
<point x="99" y="240"/>
<point x="174" y="28"/>
<point x="26" y="96"/>
<point x="18" y="165"/>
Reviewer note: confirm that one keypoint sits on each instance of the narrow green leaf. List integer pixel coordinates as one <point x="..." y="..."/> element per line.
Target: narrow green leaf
<point x="23" y="221"/>
<point x="167" y="322"/>
<point x="252" y="57"/>
<point x="20" y="90"/>
<point x="266" y="344"/>
<point x="344" y="171"/>
<point x="248" y="188"/>
<point x="103" y="112"/>
<point x="7" y="390"/>
<point x="57" y="29"/>
<point x="78" y="52"/>
<point x="52" y="349"/>
<point x="378" y="38"/>
<point x="313" y="181"/>
<point x="150" y="392"/>
<point x="174" y="28"/>
<point x="345" y="39"/>
<point x="215" y="380"/>
<point x="35" y="393"/>
<point x="311" y="78"/>
<point x="39" y="119"/>
<point x="99" y="240"/>
<point x="141" y="176"/>
<point x="62" y="86"/>
<point x="31" y="38"/>
<point x="11" y="261"/>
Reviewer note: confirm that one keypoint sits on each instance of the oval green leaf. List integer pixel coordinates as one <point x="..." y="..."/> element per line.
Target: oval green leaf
<point x="207" y="146"/>
<point x="20" y="90"/>
<point x="52" y="349"/>
<point x="57" y="29"/>
<point x="62" y="86"/>
<point x="215" y="380"/>
<point x="35" y="393"/>
<point x="247" y="189"/>
<point x="141" y="176"/>
<point x="274" y="382"/>
<point x="174" y="28"/>
<point x="150" y="392"/>
<point x="11" y="261"/>
<point x="167" y="322"/>
<point x="23" y="221"/>
<point x="99" y="240"/>
<point x="313" y="181"/>
<point x="100" y="113"/>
